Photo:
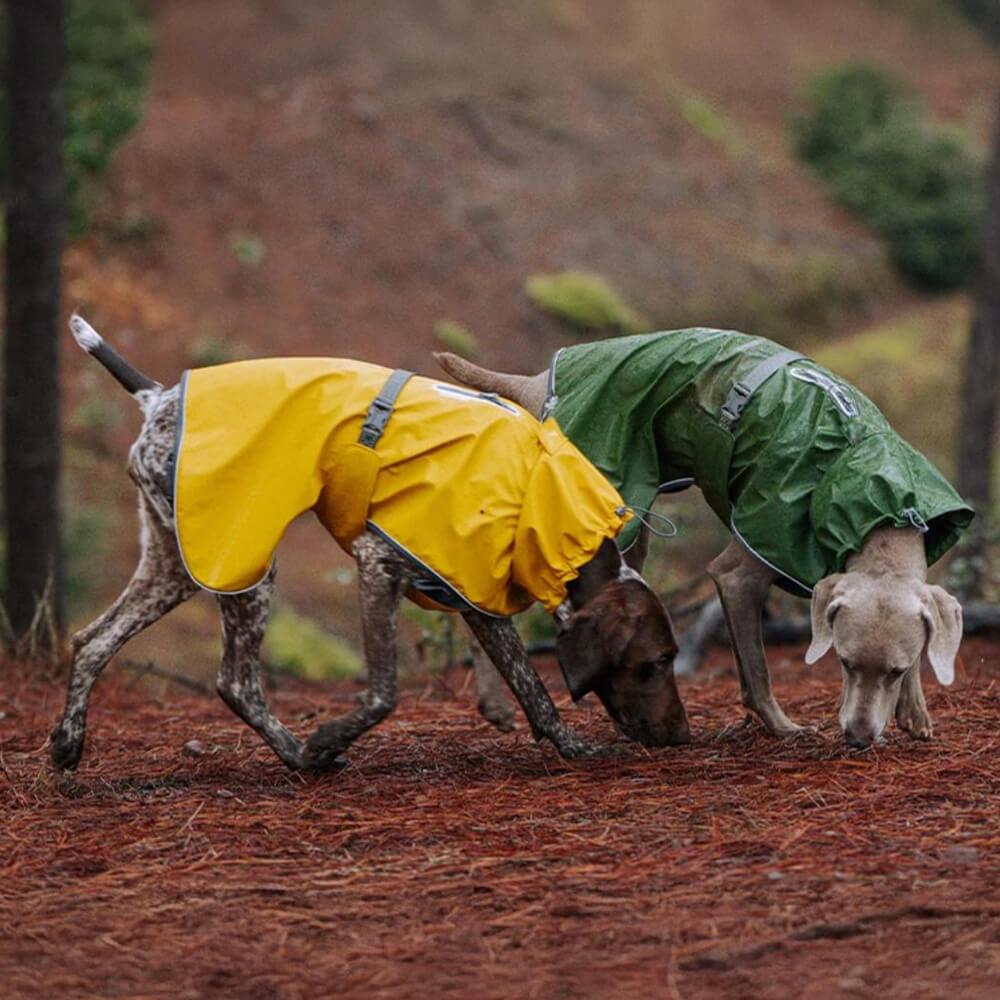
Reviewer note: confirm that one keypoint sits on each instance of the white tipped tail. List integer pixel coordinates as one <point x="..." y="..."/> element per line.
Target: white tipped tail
<point x="84" y="334"/>
<point x="93" y="343"/>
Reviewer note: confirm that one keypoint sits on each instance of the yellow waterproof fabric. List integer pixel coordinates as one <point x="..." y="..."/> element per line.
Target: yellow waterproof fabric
<point x="502" y="509"/>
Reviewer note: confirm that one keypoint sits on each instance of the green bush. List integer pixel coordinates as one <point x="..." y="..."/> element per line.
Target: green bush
<point x="108" y="48"/>
<point x="985" y="14"/>
<point x="865" y="135"/>
<point x="296" y="644"/>
<point x="457" y="338"/>
<point x="585" y="301"/>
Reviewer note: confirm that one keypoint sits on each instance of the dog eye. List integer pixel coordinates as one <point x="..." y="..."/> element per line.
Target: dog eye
<point x="897" y="673"/>
<point x="847" y="665"/>
<point x="645" y="672"/>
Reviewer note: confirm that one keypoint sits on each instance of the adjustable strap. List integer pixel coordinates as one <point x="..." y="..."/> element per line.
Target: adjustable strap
<point x="381" y="408"/>
<point x="744" y="388"/>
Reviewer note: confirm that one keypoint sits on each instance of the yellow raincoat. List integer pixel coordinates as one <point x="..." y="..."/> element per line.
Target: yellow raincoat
<point x="498" y="509"/>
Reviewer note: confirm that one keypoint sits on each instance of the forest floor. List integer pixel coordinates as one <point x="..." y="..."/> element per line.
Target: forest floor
<point x="450" y="860"/>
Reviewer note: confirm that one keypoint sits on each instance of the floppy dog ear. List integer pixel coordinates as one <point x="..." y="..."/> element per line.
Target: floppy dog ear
<point x="581" y="653"/>
<point x="943" y="618"/>
<point x="595" y="575"/>
<point x="822" y="611"/>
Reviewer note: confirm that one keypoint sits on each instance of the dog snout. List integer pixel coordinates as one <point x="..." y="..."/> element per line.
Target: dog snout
<point x="670" y="731"/>
<point x="859" y="736"/>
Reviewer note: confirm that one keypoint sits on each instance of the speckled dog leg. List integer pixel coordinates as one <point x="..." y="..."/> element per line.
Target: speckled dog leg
<point x="491" y="698"/>
<point x="383" y="577"/>
<point x="159" y="584"/>
<point x="244" y="619"/>
<point x="504" y="647"/>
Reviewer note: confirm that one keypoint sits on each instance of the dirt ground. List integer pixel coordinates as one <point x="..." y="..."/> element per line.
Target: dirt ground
<point x="395" y="165"/>
<point x="451" y="860"/>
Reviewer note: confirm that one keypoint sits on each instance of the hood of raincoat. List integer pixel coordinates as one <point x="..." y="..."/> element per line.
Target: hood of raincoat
<point x="808" y="470"/>
<point x="498" y="509"/>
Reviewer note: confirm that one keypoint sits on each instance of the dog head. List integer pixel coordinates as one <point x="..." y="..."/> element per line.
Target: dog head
<point x="615" y="639"/>
<point x="879" y="625"/>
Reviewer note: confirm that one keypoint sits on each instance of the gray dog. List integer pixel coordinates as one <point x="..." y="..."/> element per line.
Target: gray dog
<point x="820" y="494"/>
<point x="199" y="455"/>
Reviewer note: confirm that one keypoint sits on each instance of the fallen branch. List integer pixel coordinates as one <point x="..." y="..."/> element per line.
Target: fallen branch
<point x="148" y="667"/>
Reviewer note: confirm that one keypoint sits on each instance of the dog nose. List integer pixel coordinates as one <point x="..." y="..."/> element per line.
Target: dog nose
<point x="859" y="737"/>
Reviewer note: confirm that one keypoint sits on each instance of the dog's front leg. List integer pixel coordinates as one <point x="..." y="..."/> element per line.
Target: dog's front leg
<point x="504" y="647"/>
<point x="742" y="583"/>
<point x="383" y="577"/>
<point x="911" y="708"/>
<point x="244" y="618"/>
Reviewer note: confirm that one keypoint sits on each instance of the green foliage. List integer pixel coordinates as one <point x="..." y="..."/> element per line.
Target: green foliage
<point x="919" y="187"/>
<point x="249" y="251"/>
<point x="85" y="543"/>
<point x="296" y="644"/>
<point x="585" y="301"/>
<point x="711" y="123"/>
<point x="456" y="338"/>
<point x="208" y="351"/>
<point x="134" y="227"/>
<point x="436" y="646"/>
<point x="985" y="14"/>
<point x="108" y="48"/>
<point x="535" y="624"/>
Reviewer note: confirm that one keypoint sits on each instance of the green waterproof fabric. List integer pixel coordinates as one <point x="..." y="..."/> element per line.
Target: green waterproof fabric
<point x="810" y="468"/>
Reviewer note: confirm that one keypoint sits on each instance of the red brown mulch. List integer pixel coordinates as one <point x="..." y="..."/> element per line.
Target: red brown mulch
<point x="450" y="860"/>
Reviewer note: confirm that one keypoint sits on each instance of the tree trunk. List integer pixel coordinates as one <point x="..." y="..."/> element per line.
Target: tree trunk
<point x="977" y="429"/>
<point x="35" y="228"/>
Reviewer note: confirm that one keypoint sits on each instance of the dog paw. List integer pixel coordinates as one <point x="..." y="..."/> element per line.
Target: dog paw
<point x="793" y="731"/>
<point x="321" y="754"/>
<point x="499" y="713"/>
<point x="65" y="752"/>
<point x="917" y="726"/>
<point x="572" y="748"/>
<point x="322" y="761"/>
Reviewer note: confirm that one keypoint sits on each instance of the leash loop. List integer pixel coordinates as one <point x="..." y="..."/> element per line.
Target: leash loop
<point x="650" y="516"/>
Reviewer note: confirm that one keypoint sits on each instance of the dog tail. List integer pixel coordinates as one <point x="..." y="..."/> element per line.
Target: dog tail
<point x="131" y="379"/>
<point x="510" y="386"/>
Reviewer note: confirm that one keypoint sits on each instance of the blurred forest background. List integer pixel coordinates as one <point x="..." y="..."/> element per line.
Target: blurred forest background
<point x="379" y="180"/>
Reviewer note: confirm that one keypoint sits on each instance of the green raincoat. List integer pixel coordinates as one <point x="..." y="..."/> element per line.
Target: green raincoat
<point x="801" y="478"/>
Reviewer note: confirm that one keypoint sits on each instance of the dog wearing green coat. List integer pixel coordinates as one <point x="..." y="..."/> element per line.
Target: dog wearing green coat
<point x="822" y="497"/>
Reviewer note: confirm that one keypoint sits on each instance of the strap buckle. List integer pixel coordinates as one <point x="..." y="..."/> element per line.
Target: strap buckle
<point x="381" y="408"/>
<point x="735" y="403"/>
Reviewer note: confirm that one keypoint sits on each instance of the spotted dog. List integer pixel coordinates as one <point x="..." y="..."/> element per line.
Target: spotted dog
<point x="225" y="460"/>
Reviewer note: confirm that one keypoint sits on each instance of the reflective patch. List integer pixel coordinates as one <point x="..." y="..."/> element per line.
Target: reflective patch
<point x="838" y="391"/>
<point x="455" y="392"/>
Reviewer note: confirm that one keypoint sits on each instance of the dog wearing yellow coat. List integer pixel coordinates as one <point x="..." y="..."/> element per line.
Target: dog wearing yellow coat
<point x="454" y="498"/>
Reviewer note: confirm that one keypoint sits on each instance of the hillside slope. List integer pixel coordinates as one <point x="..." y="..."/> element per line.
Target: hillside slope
<point x="337" y="179"/>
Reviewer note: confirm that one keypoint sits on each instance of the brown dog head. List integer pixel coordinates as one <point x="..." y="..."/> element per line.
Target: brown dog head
<point x="617" y="641"/>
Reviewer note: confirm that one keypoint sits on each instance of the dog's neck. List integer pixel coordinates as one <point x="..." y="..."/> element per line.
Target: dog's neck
<point x="888" y="549"/>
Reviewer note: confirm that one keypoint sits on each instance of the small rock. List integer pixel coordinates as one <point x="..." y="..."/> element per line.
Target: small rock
<point x="193" y="748"/>
<point x="958" y="855"/>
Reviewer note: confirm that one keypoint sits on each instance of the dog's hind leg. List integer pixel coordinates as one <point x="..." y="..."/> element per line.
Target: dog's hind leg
<point x="742" y="582"/>
<point x="504" y="647"/>
<point x="491" y="699"/>
<point x="158" y="585"/>
<point x="244" y="619"/>
<point x="384" y="575"/>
